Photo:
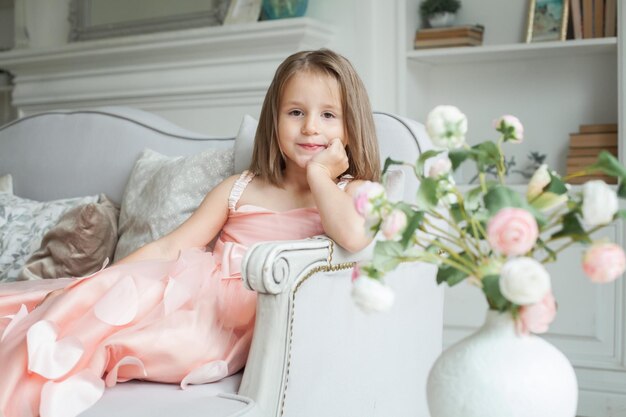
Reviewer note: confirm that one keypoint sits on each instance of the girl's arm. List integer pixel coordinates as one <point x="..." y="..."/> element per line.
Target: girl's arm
<point x="340" y="219"/>
<point x="197" y="231"/>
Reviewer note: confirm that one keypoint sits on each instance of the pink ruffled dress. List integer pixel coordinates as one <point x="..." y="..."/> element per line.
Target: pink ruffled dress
<point x="187" y="321"/>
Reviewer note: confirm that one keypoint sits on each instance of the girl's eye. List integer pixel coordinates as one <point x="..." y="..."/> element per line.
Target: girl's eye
<point x="295" y="113"/>
<point x="327" y="115"/>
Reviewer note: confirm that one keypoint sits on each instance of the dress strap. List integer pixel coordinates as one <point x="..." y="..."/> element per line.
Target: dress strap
<point x="238" y="187"/>
<point x="344" y="180"/>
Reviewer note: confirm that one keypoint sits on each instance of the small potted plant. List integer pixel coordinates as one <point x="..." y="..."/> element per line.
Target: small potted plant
<point x="439" y="13"/>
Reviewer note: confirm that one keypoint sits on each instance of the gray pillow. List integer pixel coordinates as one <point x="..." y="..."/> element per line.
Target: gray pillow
<point x="23" y="223"/>
<point x="163" y="192"/>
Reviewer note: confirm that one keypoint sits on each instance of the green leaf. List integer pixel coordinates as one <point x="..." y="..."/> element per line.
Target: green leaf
<point x="621" y="190"/>
<point x="457" y="157"/>
<point x="415" y="220"/>
<point x="556" y="185"/>
<point x="609" y="164"/>
<point x="472" y="198"/>
<point x="621" y="214"/>
<point x="455" y="212"/>
<point x="450" y="275"/>
<point x="427" y="194"/>
<point x="389" y="162"/>
<point x="572" y="229"/>
<point x="491" y="288"/>
<point x="387" y="255"/>
<point x="500" y="197"/>
<point x="419" y="167"/>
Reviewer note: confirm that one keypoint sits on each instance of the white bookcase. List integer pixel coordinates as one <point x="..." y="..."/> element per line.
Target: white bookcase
<point x="553" y="87"/>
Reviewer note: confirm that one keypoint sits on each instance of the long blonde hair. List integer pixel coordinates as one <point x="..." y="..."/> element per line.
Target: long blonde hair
<point x="363" y="156"/>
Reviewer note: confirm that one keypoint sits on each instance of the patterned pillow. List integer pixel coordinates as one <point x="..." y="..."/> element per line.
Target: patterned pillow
<point x="23" y="223"/>
<point x="163" y="192"/>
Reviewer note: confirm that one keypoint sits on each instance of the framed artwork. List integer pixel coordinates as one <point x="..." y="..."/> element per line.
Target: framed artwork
<point x="547" y="20"/>
<point x="243" y="11"/>
<point x="97" y="19"/>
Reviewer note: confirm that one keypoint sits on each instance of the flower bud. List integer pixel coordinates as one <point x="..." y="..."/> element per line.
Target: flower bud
<point x="599" y="203"/>
<point x="539" y="180"/>
<point x="371" y="295"/>
<point x="447" y="126"/>
<point x="394" y="224"/>
<point x="604" y="262"/>
<point x="511" y="128"/>
<point x="439" y="168"/>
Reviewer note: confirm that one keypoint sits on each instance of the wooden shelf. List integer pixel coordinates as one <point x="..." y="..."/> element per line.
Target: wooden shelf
<point x="520" y="51"/>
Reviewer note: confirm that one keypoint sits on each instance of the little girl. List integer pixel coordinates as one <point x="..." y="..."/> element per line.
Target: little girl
<point x="171" y="312"/>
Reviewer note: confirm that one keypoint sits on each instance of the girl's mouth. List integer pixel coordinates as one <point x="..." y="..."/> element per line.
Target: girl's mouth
<point x="311" y="146"/>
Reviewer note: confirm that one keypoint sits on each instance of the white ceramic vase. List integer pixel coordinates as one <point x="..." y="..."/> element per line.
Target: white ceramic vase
<point x="495" y="373"/>
<point x="443" y="19"/>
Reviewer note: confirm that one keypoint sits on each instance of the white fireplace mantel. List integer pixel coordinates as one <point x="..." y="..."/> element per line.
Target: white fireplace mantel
<point x="194" y="69"/>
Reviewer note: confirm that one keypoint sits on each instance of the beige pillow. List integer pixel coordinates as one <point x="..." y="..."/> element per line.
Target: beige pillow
<point x="78" y="244"/>
<point x="163" y="191"/>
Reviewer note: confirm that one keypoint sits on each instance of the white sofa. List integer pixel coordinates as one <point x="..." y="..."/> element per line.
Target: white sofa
<point x="314" y="353"/>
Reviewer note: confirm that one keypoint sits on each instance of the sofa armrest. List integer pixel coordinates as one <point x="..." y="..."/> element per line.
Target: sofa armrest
<point x="315" y="353"/>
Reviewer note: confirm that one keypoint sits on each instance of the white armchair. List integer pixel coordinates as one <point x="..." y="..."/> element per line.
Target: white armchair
<point x="314" y="353"/>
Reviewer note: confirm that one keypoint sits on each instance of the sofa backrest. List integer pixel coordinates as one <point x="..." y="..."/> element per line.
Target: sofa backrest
<point x="63" y="154"/>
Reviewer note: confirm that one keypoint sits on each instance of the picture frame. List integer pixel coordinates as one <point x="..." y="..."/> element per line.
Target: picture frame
<point x="547" y="20"/>
<point x="243" y="11"/>
<point x="88" y="22"/>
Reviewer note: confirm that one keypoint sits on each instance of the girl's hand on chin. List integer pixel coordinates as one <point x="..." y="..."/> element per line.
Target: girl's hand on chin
<point x="333" y="160"/>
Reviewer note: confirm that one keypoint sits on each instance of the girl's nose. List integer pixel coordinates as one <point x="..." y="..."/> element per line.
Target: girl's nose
<point x="310" y="126"/>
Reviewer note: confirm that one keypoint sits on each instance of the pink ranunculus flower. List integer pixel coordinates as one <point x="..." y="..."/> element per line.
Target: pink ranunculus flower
<point x="363" y="199"/>
<point x="439" y="168"/>
<point x="536" y="318"/>
<point x="604" y="262"/>
<point x="394" y="224"/>
<point x="512" y="231"/>
<point x="511" y="127"/>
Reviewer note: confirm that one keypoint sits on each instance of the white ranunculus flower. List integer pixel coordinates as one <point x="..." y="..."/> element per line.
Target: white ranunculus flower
<point x="524" y="281"/>
<point x="371" y="295"/>
<point x="447" y="126"/>
<point x="538" y="181"/>
<point x="599" y="203"/>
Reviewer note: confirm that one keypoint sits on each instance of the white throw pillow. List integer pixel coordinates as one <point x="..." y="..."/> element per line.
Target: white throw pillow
<point x="23" y="223"/>
<point x="6" y="184"/>
<point x="244" y="143"/>
<point x="163" y="192"/>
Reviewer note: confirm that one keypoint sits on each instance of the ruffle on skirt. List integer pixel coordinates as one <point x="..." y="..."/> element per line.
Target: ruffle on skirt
<point x="166" y="321"/>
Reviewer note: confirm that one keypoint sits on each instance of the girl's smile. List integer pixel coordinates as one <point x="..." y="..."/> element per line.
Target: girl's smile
<point x="310" y="116"/>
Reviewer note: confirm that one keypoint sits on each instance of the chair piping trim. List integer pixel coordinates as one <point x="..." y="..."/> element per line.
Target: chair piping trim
<point x="329" y="267"/>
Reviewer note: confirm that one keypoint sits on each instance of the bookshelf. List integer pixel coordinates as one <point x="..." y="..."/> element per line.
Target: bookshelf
<point x="553" y="87"/>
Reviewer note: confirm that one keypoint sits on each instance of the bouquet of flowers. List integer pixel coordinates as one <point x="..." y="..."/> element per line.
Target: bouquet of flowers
<point x="491" y="235"/>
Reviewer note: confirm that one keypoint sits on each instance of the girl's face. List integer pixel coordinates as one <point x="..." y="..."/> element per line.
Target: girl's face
<point x="310" y="116"/>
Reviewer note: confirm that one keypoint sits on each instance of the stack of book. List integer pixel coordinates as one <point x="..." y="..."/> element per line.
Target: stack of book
<point x="593" y="18"/>
<point x="468" y="35"/>
<point x="586" y="145"/>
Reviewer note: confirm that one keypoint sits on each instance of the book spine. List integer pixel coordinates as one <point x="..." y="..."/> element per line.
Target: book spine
<point x="576" y="19"/>
<point x="598" y="18"/>
<point x="590" y="140"/>
<point x="587" y="19"/>
<point x="598" y="128"/>
<point x="610" y="18"/>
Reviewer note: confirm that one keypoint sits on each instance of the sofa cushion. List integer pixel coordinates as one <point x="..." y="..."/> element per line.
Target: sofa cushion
<point x="162" y="192"/>
<point x="78" y="244"/>
<point x="23" y="223"/>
